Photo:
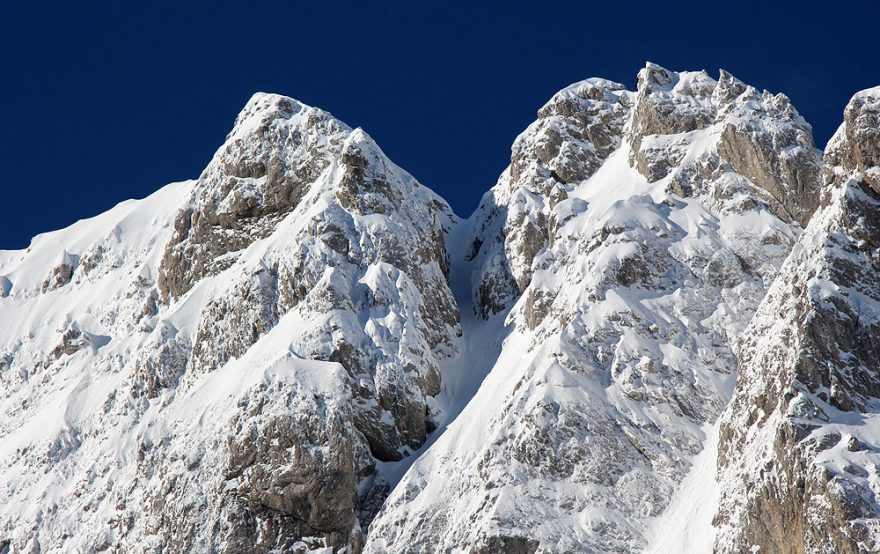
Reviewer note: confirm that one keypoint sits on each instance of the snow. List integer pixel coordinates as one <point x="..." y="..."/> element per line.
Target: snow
<point x="129" y="225"/>
<point x="75" y="422"/>
<point x="686" y="525"/>
<point x="622" y="376"/>
<point x="478" y="349"/>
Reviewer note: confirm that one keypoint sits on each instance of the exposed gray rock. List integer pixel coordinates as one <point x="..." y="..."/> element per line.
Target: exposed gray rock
<point x="509" y="545"/>
<point x="273" y="156"/>
<point x="286" y="472"/>
<point x="277" y="337"/>
<point x="779" y="157"/>
<point x="72" y="341"/>
<point x="856" y="145"/>
<point x="246" y="363"/>
<point x="60" y="275"/>
<point x="161" y="362"/>
<point x="619" y="352"/>
<point x="666" y="104"/>
<point x="297" y="475"/>
<point x="809" y="368"/>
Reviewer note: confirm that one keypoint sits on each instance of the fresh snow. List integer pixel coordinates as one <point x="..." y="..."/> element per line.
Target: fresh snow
<point x="686" y="525"/>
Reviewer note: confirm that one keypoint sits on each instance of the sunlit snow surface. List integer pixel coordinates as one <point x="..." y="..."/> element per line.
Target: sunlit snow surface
<point x="92" y="456"/>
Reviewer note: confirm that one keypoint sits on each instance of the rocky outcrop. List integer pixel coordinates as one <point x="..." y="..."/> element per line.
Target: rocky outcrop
<point x="855" y="148"/>
<point x="282" y="470"/>
<point x="61" y="273"/>
<point x="757" y="135"/>
<point x="271" y="358"/>
<point x="574" y="133"/>
<point x="275" y="153"/>
<point x="668" y="104"/>
<point x="360" y="265"/>
<point x="796" y="454"/>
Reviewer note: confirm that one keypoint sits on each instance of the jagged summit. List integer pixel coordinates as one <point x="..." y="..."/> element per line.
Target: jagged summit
<point x="798" y="452"/>
<point x="656" y="333"/>
<point x="759" y="135"/>
<point x="267" y="105"/>
<point x="236" y="354"/>
<point x="279" y="154"/>
<point x="626" y="247"/>
<point x="855" y="147"/>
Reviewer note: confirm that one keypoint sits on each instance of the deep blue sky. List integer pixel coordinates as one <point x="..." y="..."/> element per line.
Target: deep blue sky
<point x="101" y="104"/>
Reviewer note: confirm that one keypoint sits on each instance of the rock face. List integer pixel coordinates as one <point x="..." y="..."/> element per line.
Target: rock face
<point x="234" y="371"/>
<point x="761" y="135"/>
<point x="277" y="150"/>
<point x="626" y="286"/>
<point x="663" y="337"/>
<point x="797" y="454"/>
<point x="856" y="145"/>
<point x="574" y="133"/>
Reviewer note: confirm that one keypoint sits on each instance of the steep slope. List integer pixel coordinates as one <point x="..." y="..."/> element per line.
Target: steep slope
<point x="631" y="239"/>
<point x="220" y="367"/>
<point x="798" y="457"/>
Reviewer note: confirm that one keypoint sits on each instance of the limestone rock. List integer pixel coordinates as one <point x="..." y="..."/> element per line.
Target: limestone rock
<point x="856" y="145"/>
<point x="574" y="133"/>
<point x="271" y="358"/>
<point x="757" y="135"/>
<point x="808" y="373"/>
<point x="268" y="335"/>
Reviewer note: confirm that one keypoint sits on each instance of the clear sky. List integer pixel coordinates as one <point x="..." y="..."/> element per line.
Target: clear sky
<point x="102" y="104"/>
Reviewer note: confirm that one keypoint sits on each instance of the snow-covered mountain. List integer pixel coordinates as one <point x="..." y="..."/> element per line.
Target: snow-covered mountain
<point x="631" y="247"/>
<point x="658" y="333"/>
<point x="220" y="367"/>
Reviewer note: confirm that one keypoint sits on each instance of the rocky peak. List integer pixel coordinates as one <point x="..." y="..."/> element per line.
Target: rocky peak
<point x="696" y="135"/>
<point x="251" y="361"/>
<point x="728" y="89"/>
<point x="755" y="134"/>
<point x="669" y="103"/>
<point x="623" y="292"/>
<point x="298" y="303"/>
<point x="277" y="150"/>
<point x="574" y="133"/>
<point x="855" y="147"/>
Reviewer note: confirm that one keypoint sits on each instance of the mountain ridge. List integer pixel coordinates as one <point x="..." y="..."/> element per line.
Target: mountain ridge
<point x="305" y="349"/>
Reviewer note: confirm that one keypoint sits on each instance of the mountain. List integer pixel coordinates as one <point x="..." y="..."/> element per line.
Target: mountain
<point x="657" y="333"/>
<point x="220" y="367"/>
<point x="627" y="247"/>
